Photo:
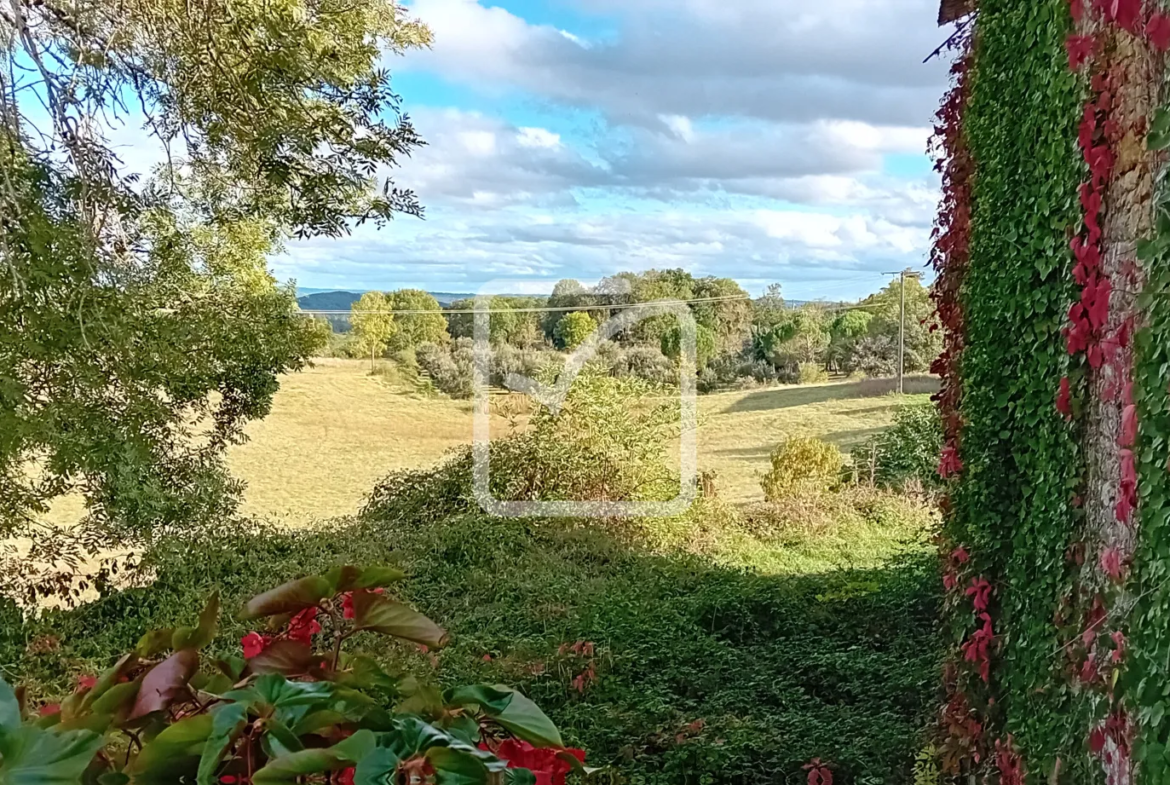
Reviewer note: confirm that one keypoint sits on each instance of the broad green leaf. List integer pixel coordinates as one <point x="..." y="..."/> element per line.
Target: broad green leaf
<point x="154" y="642"/>
<point x="35" y="756"/>
<point x="172" y="753"/>
<point x="204" y="634"/>
<point x="289" y="597"/>
<point x="227" y="723"/>
<point x="376" y="767"/>
<point x="519" y="777"/>
<point x="109" y="678"/>
<point x="512" y="710"/>
<point x="9" y="710"/>
<point x="377" y="613"/>
<point x="455" y="767"/>
<point x="364" y="672"/>
<point x="280" y="740"/>
<point x="288" y="768"/>
<point x="117" y="699"/>
<point x="164" y="682"/>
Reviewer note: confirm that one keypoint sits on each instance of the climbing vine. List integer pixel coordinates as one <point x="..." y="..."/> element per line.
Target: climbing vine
<point x="1056" y="544"/>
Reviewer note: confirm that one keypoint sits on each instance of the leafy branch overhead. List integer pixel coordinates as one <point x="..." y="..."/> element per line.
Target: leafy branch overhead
<point x="140" y="328"/>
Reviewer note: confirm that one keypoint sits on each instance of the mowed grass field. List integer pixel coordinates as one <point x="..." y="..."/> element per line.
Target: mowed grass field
<point x="335" y="430"/>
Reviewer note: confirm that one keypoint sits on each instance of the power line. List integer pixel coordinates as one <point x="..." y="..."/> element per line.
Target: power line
<point x="543" y="309"/>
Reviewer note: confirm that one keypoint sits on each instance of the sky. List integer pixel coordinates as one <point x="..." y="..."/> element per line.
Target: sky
<point x="762" y="140"/>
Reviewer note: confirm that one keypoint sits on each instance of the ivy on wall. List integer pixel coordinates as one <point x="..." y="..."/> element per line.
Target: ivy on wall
<point x="1061" y="629"/>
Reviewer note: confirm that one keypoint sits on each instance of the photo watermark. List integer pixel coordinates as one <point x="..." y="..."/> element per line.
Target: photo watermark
<point x="552" y="397"/>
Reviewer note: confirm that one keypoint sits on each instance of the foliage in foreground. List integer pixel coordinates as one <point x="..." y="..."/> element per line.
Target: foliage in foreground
<point x="694" y="672"/>
<point x="284" y="712"/>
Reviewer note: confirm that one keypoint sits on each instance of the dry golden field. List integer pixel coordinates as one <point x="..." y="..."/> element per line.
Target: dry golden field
<point x="335" y="430"/>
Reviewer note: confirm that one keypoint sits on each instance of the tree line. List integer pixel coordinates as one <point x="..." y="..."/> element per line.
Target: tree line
<point x="738" y="338"/>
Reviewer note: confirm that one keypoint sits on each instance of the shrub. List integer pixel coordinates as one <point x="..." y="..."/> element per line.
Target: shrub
<point x="282" y="711"/>
<point x="572" y="330"/>
<point x="905" y="456"/>
<point x="811" y="373"/>
<point x="646" y="363"/>
<point x="800" y="466"/>
<point x="451" y="370"/>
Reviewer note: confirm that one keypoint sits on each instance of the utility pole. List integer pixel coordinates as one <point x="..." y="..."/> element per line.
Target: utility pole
<point x="902" y="323"/>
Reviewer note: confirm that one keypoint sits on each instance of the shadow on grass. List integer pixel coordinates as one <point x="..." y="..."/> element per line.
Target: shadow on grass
<point x="788" y="397"/>
<point x="847" y="440"/>
<point x="704" y="673"/>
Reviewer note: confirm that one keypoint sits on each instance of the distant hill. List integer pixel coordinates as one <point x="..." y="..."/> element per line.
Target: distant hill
<point x="328" y="301"/>
<point x="342" y="301"/>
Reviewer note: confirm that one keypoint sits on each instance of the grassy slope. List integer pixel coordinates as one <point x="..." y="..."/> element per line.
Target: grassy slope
<point x="334" y="431"/>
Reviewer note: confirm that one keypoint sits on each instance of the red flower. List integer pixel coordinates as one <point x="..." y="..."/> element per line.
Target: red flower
<point x="960" y="555"/>
<point x="1158" y="31"/>
<point x="253" y="644"/>
<point x="49" y="709"/>
<point x="487" y="658"/>
<point x="304" y="626"/>
<point x="1080" y="48"/>
<point x="346" y="776"/>
<point x="1064" y="399"/>
<point x="347" y="602"/>
<point x="86" y="682"/>
<point x="545" y="763"/>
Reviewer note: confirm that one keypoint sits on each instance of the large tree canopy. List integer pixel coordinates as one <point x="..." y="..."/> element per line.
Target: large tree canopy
<point x="139" y="327"/>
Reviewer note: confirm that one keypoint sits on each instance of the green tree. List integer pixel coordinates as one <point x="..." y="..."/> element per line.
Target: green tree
<point x="373" y="325"/>
<point x="728" y="314"/>
<point x="844" y="333"/>
<point x="567" y="293"/>
<point x="416" y="328"/>
<point x="769" y="310"/>
<point x="138" y="315"/>
<point x="922" y="345"/>
<point x="706" y="344"/>
<point x="802" y="338"/>
<point x="574" y="329"/>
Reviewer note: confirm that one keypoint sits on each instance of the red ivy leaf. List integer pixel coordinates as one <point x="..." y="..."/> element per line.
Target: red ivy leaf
<point x="1080" y="49"/>
<point x="1158" y="31"/>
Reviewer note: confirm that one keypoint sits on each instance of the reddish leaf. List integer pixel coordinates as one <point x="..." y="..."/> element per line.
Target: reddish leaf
<point x="164" y="682"/>
<point x="1080" y="48"/>
<point x="289" y="597"/>
<point x="1064" y="398"/>
<point x="1158" y="31"/>
<point x="286" y="657"/>
<point x="1111" y="564"/>
<point x="378" y="613"/>
<point x="1128" y="426"/>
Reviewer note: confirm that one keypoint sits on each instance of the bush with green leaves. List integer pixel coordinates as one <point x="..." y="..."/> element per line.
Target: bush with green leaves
<point x="450" y="368"/>
<point x="801" y="466"/>
<point x="904" y="456"/>
<point x="573" y="329"/>
<point x="295" y="707"/>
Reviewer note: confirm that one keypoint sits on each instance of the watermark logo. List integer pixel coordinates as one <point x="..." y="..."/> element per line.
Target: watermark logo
<point x="552" y="397"/>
